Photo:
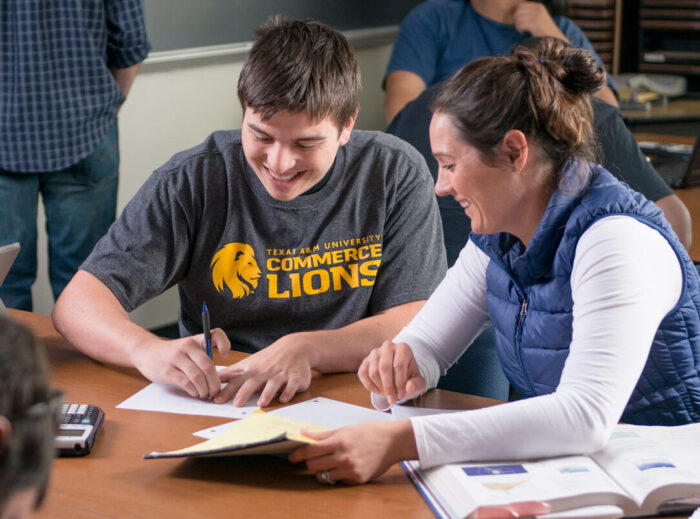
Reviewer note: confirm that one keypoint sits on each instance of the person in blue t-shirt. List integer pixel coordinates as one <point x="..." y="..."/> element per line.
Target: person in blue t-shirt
<point x="438" y="37"/>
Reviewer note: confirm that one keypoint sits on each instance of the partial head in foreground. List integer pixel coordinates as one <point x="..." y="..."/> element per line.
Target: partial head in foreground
<point x="28" y="410"/>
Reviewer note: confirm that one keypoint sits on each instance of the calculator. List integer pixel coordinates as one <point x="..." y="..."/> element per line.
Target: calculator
<point x="78" y="429"/>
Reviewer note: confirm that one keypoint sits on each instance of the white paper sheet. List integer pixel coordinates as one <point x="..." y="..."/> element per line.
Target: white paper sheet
<point x="401" y="412"/>
<point x="319" y="411"/>
<point x="168" y="398"/>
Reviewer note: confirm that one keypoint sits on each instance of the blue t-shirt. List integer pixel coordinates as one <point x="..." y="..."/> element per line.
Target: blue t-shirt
<point x="438" y="37"/>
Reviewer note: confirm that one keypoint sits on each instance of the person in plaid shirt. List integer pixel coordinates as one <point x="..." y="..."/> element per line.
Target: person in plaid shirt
<point x="66" y="66"/>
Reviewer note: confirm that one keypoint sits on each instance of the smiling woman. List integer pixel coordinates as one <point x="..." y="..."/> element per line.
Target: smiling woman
<point x="594" y="301"/>
<point x="518" y="143"/>
<point x="491" y="196"/>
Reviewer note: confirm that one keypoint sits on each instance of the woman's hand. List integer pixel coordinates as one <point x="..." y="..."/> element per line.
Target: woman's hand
<point x="183" y="362"/>
<point x="357" y="453"/>
<point x="392" y="371"/>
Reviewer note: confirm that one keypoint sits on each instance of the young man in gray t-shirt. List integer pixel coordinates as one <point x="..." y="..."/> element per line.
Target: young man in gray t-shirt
<point x="311" y="243"/>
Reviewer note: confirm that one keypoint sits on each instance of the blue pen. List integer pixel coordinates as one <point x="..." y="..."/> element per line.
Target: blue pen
<point x="207" y="329"/>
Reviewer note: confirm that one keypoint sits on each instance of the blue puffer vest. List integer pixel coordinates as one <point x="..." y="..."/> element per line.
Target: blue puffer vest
<point x="529" y="301"/>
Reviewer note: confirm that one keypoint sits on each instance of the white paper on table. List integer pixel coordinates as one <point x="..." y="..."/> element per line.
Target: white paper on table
<point x="401" y="412"/>
<point x="320" y="411"/>
<point x="696" y="514"/>
<point x="168" y="398"/>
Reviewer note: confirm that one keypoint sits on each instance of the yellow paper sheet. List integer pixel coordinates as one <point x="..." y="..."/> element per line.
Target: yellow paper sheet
<point x="258" y="433"/>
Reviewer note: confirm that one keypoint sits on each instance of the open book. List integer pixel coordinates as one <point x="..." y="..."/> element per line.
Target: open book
<point x="259" y="433"/>
<point x="642" y="470"/>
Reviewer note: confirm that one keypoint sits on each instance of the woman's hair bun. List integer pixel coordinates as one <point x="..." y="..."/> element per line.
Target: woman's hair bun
<point x="576" y="69"/>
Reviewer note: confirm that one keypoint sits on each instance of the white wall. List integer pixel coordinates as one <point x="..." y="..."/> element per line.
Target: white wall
<point x="172" y="107"/>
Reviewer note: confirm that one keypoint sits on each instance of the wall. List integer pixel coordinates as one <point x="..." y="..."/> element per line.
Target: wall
<point x="175" y="105"/>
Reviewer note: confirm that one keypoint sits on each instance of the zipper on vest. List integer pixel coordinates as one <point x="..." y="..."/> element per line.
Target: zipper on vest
<point x="521" y="318"/>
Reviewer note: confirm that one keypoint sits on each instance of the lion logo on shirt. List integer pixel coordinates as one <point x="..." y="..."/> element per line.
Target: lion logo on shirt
<point x="235" y="266"/>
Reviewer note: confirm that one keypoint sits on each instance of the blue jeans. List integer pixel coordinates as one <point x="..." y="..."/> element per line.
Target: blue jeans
<point x="80" y="204"/>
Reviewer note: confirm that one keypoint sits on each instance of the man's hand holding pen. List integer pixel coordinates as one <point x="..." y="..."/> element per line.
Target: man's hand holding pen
<point x="183" y="362"/>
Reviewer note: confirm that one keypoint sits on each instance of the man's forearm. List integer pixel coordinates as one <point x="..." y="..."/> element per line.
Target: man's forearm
<point x="344" y="349"/>
<point x="92" y="319"/>
<point x="401" y="88"/>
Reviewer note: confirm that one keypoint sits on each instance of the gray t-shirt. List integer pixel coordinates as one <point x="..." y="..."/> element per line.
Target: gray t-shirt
<point x="369" y="239"/>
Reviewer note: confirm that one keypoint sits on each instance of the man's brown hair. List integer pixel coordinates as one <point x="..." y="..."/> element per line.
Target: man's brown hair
<point x="300" y="66"/>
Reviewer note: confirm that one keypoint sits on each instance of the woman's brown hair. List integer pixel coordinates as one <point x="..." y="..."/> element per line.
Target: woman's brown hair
<point x="542" y="91"/>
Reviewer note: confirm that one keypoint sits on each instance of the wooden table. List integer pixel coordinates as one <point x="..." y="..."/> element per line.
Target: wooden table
<point x="690" y="196"/>
<point x="115" y="482"/>
<point x="674" y="111"/>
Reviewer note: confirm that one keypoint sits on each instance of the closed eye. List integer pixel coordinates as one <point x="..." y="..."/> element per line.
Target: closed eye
<point x="262" y="139"/>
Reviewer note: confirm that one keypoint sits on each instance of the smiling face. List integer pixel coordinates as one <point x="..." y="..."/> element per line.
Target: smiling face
<point x="288" y="152"/>
<point x="482" y="190"/>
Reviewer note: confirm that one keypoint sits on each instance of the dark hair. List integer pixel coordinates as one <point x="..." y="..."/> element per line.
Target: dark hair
<point x="300" y="66"/>
<point x="26" y="454"/>
<point x="542" y="91"/>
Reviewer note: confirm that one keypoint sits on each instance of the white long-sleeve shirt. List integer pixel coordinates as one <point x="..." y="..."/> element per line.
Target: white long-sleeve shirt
<point x="625" y="279"/>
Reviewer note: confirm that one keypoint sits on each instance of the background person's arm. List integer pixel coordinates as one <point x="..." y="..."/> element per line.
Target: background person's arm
<point x="127" y="42"/>
<point x="285" y="366"/>
<point x="125" y="77"/>
<point x="534" y="18"/>
<point x="93" y="320"/>
<point x="401" y="88"/>
<point x="678" y="216"/>
<point x="607" y="95"/>
<point x="415" y="55"/>
<point x="621" y="156"/>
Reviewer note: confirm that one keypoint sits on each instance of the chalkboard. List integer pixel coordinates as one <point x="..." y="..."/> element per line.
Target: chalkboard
<point x="182" y="24"/>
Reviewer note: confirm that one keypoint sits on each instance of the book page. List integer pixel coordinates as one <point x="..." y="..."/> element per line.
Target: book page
<point x="588" y="512"/>
<point x="654" y="463"/>
<point x="563" y="483"/>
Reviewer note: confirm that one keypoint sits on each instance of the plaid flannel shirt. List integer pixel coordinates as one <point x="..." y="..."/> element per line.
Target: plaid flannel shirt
<point x="57" y="93"/>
